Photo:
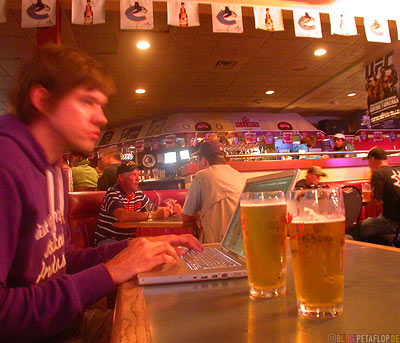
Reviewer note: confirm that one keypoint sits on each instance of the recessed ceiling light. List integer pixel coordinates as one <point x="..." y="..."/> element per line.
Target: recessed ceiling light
<point x="352" y="94"/>
<point x="143" y="45"/>
<point x="320" y="52"/>
<point x="270" y="92"/>
<point x="140" y="91"/>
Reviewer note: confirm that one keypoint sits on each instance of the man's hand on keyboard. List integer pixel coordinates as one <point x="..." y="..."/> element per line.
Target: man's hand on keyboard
<point x="186" y="240"/>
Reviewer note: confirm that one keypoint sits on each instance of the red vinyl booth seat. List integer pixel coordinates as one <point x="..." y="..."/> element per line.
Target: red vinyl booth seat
<point x="84" y="208"/>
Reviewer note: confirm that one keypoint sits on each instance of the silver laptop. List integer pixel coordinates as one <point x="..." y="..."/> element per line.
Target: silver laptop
<point x="219" y="261"/>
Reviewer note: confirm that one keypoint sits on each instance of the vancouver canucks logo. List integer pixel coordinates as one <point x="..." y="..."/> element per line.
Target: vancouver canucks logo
<point x="396" y="178"/>
<point x="38" y="10"/>
<point x="136" y="12"/>
<point x="226" y="16"/>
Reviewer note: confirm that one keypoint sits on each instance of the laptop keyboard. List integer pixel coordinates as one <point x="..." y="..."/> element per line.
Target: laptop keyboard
<point x="209" y="258"/>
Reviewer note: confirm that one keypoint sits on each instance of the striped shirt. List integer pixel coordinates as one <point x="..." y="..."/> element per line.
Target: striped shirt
<point x="115" y="198"/>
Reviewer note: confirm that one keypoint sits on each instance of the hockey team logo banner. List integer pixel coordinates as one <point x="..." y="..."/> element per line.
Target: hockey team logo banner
<point x="268" y="18"/>
<point x="307" y="23"/>
<point x="382" y="85"/>
<point x="136" y="14"/>
<point x="227" y="18"/>
<point x="377" y="30"/>
<point x="3" y="12"/>
<point x="183" y="13"/>
<point x="88" y="12"/>
<point x="343" y="24"/>
<point x="41" y="13"/>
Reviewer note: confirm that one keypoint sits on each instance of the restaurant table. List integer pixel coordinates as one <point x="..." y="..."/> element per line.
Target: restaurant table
<point x="222" y="311"/>
<point x="173" y="222"/>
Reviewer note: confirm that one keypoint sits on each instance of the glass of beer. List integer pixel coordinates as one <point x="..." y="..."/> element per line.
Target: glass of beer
<point x="366" y="192"/>
<point x="262" y="216"/>
<point x="316" y="225"/>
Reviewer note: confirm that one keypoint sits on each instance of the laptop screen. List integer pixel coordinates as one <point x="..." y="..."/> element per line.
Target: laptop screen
<point x="283" y="181"/>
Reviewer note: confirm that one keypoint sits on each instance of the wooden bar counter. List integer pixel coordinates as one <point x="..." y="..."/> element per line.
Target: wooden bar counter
<point x="222" y="311"/>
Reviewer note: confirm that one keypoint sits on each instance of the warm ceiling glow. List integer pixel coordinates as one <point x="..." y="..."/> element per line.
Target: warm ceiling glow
<point x="140" y="91"/>
<point x="270" y="92"/>
<point x="352" y="94"/>
<point x="143" y="45"/>
<point x="320" y="52"/>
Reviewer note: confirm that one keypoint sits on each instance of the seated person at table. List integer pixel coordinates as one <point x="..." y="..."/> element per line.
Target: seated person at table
<point x="84" y="177"/>
<point x="385" y="184"/>
<point x="46" y="285"/>
<point x="124" y="202"/>
<point x="306" y="144"/>
<point x="214" y="192"/>
<point x="340" y="144"/>
<point x="110" y="161"/>
<point x="312" y="179"/>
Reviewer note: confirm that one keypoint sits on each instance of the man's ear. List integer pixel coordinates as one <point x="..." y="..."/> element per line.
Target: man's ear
<point x="40" y="98"/>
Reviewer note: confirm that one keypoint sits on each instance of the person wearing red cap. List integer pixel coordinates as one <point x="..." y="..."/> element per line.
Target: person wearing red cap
<point x="214" y="192"/>
<point x="385" y="182"/>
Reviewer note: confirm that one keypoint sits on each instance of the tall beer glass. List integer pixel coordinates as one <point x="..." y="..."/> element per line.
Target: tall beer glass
<point x="317" y="229"/>
<point x="262" y="216"/>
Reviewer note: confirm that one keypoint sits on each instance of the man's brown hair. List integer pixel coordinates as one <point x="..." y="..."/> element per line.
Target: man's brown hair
<point x="58" y="69"/>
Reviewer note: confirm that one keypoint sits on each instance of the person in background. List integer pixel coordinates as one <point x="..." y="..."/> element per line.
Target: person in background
<point x="312" y="179"/>
<point x="306" y="143"/>
<point x="110" y="161"/>
<point x="84" y="177"/>
<point x="124" y="202"/>
<point x="46" y="285"/>
<point x="214" y="192"/>
<point x="340" y="144"/>
<point x="385" y="184"/>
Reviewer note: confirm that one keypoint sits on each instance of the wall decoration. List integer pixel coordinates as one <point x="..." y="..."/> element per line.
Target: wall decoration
<point x="227" y="18"/>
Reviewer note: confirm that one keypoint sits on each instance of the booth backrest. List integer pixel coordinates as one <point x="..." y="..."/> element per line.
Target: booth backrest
<point x="84" y="208"/>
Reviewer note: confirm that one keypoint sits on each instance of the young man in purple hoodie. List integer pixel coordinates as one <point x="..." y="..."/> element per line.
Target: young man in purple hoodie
<point x="45" y="284"/>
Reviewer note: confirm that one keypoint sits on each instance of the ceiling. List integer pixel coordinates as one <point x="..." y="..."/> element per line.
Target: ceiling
<point x="179" y="70"/>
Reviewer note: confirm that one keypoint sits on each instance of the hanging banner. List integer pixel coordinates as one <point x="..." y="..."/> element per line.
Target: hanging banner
<point x="320" y="136"/>
<point x="211" y="136"/>
<point x="183" y="13"/>
<point x="39" y="14"/>
<point x="170" y="141"/>
<point x="269" y="139"/>
<point x="3" y="11"/>
<point x="363" y="136"/>
<point x="392" y="136"/>
<point x="287" y="137"/>
<point x="139" y="145"/>
<point x="378" y="136"/>
<point x="227" y="18"/>
<point x="231" y="138"/>
<point x="268" y="18"/>
<point x="377" y="30"/>
<point x="250" y="137"/>
<point x="382" y="85"/>
<point x="136" y="16"/>
<point x="307" y="23"/>
<point x="342" y="24"/>
<point x="88" y="12"/>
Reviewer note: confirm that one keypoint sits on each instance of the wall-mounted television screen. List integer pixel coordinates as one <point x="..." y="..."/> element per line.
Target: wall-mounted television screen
<point x="184" y="154"/>
<point x="170" y="157"/>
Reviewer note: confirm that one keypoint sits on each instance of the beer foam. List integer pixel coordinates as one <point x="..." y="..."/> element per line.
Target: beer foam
<point x="261" y="203"/>
<point x="311" y="217"/>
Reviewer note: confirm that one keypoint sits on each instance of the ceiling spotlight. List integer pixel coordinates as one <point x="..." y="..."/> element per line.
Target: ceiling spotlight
<point x="140" y="91"/>
<point x="320" y="52"/>
<point x="270" y="92"/>
<point x="143" y="45"/>
<point x="352" y="94"/>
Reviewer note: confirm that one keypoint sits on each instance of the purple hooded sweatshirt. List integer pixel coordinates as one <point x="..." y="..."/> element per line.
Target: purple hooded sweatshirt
<point x="45" y="284"/>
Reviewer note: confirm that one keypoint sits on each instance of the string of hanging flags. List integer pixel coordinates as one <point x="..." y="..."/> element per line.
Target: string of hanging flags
<point x="226" y="17"/>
